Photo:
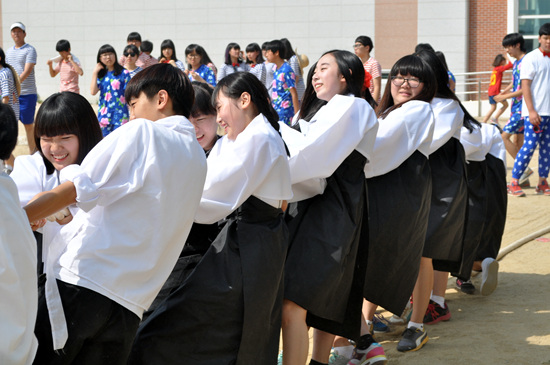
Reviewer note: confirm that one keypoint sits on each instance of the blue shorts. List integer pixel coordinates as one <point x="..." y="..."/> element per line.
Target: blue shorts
<point x="492" y="100"/>
<point x="27" y="106"/>
<point x="515" y="125"/>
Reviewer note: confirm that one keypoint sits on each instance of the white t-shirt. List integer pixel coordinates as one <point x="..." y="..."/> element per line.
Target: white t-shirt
<point x="536" y="67"/>
<point x="18" y="286"/>
<point x="137" y="190"/>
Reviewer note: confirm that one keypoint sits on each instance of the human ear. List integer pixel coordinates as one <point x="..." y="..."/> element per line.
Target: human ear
<point x="245" y="100"/>
<point x="162" y="99"/>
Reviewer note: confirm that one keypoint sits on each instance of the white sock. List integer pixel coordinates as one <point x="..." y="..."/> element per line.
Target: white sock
<point x="439" y="300"/>
<point x="417" y="325"/>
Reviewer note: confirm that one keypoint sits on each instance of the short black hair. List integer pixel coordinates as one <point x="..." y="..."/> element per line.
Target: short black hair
<point x="512" y="39"/>
<point x="130" y="49"/>
<point x="163" y="76"/>
<point x="203" y="100"/>
<point x="365" y="41"/>
<point x="276" y="46"/>
<point x="146" y="46"/>
<point x="8" y="131"/>
<point x="423" y="47"/>
<point x="544" y="29"/>
<point x="63" y="45"/>
<point x="134" y="36"/>
<point x="67" y="113"/>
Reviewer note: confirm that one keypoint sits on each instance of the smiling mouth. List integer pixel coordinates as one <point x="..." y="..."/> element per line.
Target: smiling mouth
<point x="60" y="157"/>
<point x="199" y="137"/>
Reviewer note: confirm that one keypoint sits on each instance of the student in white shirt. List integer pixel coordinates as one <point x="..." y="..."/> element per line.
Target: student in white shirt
<point x="65" y="130"/>
<point x="228" y="311"/>
<point x="337" y="132"/>
<point x="17" y="262"/>
<point x="444" y="239"/>
<point x="399" y="194"/>
<point x="114" y="256"/>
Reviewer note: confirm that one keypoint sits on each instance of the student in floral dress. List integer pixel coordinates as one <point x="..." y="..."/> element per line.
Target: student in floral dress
<point x="283" y="92"/>
<point x="109" y="78"/>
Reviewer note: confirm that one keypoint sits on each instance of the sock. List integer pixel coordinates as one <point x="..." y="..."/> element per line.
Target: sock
<point x="439" y="300"/>
<point x="313" y="362"/>
<point x="345" y="351"/>
<point x="417" y="325"/>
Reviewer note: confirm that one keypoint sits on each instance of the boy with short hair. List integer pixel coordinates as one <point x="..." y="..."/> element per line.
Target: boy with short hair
<point x="283" y="91"/>
<point x="363" y="47"/>
<point x="68" y="67"/>
<point x="515" y="46"/>
<point x="114" y="256"/>
<point x="535" y="109"/>
<point x="144" y="60"/>
<point x="18" y="263"/>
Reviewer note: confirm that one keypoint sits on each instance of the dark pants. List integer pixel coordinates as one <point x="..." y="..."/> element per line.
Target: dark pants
<point x="101" y="331"/>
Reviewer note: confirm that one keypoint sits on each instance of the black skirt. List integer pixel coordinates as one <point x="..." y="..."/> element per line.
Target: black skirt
<point x="399" y="205"/>
<point x="324" y="270"/>
<point x="475" y="216"/>
<point x="444" y="238"/>
<point x="228" y="311"/>
<point x="497" y="202"/>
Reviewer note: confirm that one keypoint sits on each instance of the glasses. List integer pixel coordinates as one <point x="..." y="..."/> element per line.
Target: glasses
<point x="130" y="55"/>
<point x="399" y="81"/>
<point x="107" y="55"/>
<point x="193" y="56"/>
<point x="358" y="45"/>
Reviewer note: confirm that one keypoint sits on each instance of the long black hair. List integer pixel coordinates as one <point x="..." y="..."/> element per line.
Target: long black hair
<point x="443" y="90"/>
<point x="107" y="48"/>
<point x="229" y="47"/>
<point x="351" y="68"/>
<point x="237" y="83"/>
<point x="255" y="47"/>
<point x="167" y="43"/>
<point x="67" y="113"/>
<point x="414" y="66"/>
<point x="16" y="80"/>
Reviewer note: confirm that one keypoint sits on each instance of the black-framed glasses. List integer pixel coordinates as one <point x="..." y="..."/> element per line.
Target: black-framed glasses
<point x="400" y="80"/>
<point x="358" y="45"/>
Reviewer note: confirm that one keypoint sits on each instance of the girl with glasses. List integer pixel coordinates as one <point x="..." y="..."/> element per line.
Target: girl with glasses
<point x="197" y="61"/>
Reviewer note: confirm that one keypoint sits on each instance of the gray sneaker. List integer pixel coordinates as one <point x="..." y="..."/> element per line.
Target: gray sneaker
<point x="489" y="276"/>
<point x="413" y="339"/>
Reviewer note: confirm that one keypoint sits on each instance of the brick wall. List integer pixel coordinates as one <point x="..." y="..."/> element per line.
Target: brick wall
<point x="487" y="25"/>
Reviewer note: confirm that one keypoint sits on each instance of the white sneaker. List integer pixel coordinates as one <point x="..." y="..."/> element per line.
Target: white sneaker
<point x="528" y="172"/>
<point x="489" y="276"/>
<point x="340" y="355"/>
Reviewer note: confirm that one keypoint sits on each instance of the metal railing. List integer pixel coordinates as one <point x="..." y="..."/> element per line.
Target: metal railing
<point x="473" y="86"/>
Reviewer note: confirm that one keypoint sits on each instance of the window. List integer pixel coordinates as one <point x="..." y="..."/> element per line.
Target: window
<point x="531" y="15"/>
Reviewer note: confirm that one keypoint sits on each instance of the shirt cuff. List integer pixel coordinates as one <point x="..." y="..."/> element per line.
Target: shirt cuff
<point x="86" y="191"/>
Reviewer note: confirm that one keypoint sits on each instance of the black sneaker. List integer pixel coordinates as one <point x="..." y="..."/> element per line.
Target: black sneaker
<point x="412" y="340"/>
<point x="436" y="313"/>
<point x="465" y="286"/>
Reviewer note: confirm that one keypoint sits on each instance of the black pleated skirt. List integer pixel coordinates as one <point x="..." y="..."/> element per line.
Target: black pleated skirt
<point x="228" y="311"/>
<point x="445" y="235"/>
<point x="475" y="216"/>
<point x="497" y="202"/>
<point x="399" y="205"/>
<point x="324" y="271"/>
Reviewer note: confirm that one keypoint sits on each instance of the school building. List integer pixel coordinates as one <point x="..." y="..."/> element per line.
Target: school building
<point x="468" y="32"/>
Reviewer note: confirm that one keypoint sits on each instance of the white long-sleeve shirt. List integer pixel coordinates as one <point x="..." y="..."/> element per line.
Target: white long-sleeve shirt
<point x="344" y="124"/>
<point x="403" y="131"/>
<point x="254" y="164"/>
<point x="18" y="287"/>
<point x="449" y="118"/>
<point x="137" y="190"/>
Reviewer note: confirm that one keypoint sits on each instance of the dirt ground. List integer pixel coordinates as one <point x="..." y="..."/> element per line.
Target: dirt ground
<point x="511" y="326"/>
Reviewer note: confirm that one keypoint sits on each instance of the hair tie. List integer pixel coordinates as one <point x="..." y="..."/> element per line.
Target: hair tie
<point x="366" y="81"/>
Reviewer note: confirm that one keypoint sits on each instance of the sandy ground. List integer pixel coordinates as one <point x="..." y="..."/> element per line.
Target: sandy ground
<point x="511" y="326"/>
